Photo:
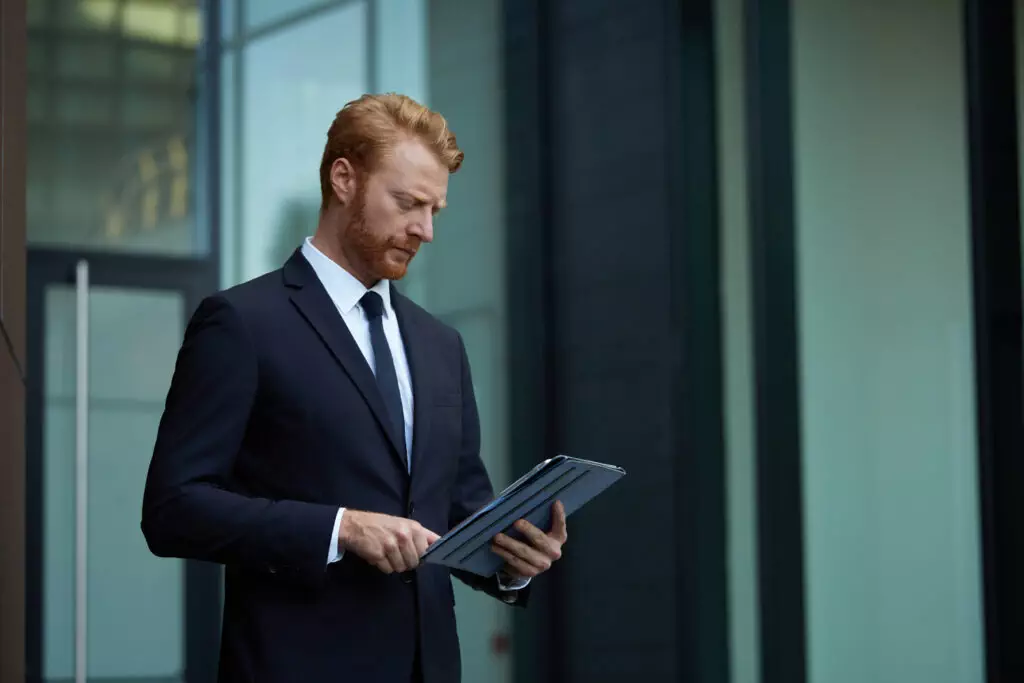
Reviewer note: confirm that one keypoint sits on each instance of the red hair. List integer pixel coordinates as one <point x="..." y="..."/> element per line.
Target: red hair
<point x="367" y="128"/>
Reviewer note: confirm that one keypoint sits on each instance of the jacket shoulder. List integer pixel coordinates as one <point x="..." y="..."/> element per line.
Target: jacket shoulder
<point x="252" y="296"/>
<point x="426" y="321"/>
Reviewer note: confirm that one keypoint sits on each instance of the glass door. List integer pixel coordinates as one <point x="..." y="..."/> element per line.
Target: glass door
<point x="105" y="334"/>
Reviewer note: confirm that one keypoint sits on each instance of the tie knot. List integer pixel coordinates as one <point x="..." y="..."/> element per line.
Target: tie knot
<point x="373" y="305"/>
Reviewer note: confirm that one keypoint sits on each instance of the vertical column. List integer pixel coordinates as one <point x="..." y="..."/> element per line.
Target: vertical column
<point x="614" y="328"/>
<point x="776" y="352"/>
<point x="995" y="236"/>
<point x="12" y="339"/>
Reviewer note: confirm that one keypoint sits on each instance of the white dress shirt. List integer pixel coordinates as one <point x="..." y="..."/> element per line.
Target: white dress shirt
<point x="346" y="291"/>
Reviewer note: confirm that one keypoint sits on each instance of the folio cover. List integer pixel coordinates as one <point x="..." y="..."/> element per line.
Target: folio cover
<point x="572" y="481"/>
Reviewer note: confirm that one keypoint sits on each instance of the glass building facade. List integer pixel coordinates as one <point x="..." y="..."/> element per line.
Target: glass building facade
<point x="733" y="247"/>
<point x="174" y="148"/>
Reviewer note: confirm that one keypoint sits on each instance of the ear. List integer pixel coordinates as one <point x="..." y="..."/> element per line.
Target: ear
<point x="343" y="180"/>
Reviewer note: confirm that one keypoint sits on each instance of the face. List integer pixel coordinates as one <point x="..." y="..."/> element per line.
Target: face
<point x="392" y="210"/>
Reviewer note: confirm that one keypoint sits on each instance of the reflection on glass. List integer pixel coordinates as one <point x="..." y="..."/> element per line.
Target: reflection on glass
<point x="259" y="13"/>
<point x="227" y="19"/>
<point x="36" y="13"/>
<point x="295" y="82"/>
<point x="161" y="22"/>
<point x="85" y="61"/>
<point x="112" y="126"/>
<point x="85" y="14"/>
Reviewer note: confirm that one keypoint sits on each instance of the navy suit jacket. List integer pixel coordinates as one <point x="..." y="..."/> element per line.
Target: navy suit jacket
<point x="273" y="420"/>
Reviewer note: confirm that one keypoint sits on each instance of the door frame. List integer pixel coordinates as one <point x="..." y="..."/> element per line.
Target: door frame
<point x="193" y="279"/>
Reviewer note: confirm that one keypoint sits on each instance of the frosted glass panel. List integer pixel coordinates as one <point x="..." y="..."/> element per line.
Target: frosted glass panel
<point x="137" y="342"/>
<point x="135" y="600"/>
<point x="295" y="81"/>
<point x="891" y="511"/>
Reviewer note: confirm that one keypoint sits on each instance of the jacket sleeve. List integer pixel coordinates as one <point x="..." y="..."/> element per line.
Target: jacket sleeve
<point x="473" y="487"/>
<point x="188" y="509"/>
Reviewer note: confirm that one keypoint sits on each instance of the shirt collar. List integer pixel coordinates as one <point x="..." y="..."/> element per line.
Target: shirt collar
<point x="343" y="287"/>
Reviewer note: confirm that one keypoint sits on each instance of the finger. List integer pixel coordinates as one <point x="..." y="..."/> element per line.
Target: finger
<point x="410" y="557"/>
<point x="558" y="530"/>
<point x="423" y="538"/>
<point x="536" y="537"/>
<point x="422" y="542"/>
<point x="395" y="559"/>
<point x="547" y="545"/>
<point x="383" y="565"/>
<point x="519" y="567"/>
<point x="524" y="552"/>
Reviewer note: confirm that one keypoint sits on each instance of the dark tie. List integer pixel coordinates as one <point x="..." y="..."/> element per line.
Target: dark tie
<point x="387" y="380"/>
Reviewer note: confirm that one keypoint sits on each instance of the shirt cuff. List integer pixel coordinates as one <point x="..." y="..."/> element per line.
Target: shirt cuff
<point x="507" y="583"/>
<point x="333" y="553"/>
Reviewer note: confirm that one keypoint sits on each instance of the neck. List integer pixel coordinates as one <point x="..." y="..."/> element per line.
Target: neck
<point x="327" y="240"/>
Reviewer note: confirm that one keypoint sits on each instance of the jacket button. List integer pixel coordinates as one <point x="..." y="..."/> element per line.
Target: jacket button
<point x="406" y="577"/>
<point x="409" y="509"/>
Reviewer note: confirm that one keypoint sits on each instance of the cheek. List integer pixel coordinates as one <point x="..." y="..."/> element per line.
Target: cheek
<point x="384" y="220"/>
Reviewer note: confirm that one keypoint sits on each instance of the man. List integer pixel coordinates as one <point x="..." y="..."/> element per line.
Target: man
<point x="321" y="430"/>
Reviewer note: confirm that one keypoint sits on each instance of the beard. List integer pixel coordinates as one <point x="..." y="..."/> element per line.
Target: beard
<point x="376" y="252"/>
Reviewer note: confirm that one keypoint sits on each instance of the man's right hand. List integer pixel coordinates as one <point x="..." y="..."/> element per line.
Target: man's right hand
<point x="392" y="544"/>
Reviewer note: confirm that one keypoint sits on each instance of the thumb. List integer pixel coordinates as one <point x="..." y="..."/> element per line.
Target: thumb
<point x="558" y="521"/>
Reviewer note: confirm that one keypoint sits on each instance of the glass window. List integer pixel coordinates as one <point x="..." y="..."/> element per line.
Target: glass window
<point x="229" y="181"/>
<point x="228" y="16"/>
<point x="155" y="64"/>
<point x="83" y="106"/>
<point x="883" y="243"/>
<point x="259" y="13"/>
<point x="37" y="57"/>
<point x="294" y="82"/>
<point x="401" y="31"/>
<point x="460" y="276"/>
<point x="85" y="60"/>
<point x="136" y="601"/>
<point x="36" y="13"/>
<point x="150" y="110"/>
<point x="95" y="15"/>
<point x="36" y="108"/>
<point x="112" y="126"/>
<point x="166" y="22"/>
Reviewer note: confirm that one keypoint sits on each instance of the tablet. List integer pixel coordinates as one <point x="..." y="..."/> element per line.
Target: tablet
<point x="572" y="481"/>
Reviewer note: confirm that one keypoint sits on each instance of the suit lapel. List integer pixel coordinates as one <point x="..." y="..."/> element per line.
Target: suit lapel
<point x="416" y="354"/>
<point x="315" y="305"/>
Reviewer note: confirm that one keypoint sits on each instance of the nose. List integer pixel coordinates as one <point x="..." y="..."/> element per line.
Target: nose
<point x="423" y="228"/>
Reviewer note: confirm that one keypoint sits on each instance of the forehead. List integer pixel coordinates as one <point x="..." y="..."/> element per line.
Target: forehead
<point x="411" y="167"/>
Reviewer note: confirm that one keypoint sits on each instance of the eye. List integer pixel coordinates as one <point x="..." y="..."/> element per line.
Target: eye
<point x="407" y="203"/>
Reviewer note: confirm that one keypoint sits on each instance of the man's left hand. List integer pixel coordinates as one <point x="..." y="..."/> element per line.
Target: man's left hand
<point x="535" y="553"/>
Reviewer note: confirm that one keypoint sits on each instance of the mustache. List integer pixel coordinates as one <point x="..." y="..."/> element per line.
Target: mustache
<point x="409" y="244"/>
